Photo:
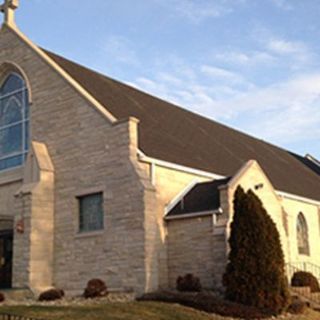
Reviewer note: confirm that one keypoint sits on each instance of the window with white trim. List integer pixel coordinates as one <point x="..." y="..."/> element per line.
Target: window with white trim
<point x="14" y="122"/>
<point x="91" y="212"/>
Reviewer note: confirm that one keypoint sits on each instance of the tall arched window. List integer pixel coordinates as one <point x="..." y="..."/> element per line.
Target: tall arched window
<point x="14" y="122"/>
<point x="302" y="235"/>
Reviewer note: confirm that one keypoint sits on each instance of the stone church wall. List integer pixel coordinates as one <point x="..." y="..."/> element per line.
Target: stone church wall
<point x="89" y="154"/>
<point x="9" y="185"/>
<point x="168" y="183"/>
<point x="310" y="211"/>
<point x="137" y="250"/>
<point x="190" y="250"/>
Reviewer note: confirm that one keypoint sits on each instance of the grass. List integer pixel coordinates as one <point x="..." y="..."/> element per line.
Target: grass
<point x="125" y="311"/>
<point x="111" y="311"/>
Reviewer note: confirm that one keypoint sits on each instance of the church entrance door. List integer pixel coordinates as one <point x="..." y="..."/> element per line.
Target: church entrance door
<point x="6" y="245"/>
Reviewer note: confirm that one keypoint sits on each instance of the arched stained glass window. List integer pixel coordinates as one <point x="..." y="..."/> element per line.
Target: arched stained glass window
<point x="302" y="235"/>
<point x="14" y="122"/>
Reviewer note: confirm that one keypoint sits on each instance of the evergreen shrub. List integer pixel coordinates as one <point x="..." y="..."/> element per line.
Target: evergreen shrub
<point x="255" y="271"/>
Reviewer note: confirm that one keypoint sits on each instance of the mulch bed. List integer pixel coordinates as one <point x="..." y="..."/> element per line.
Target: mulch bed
<point x="208" y="302"/>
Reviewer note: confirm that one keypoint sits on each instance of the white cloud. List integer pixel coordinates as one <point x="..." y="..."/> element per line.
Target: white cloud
<point x="295" y="54"/>
<point x="199" y="10"/>
<point x="245" y="58"/>
<point x="284" y="51"/>
<point x="282" y="113"/>
<point x="281" y="46"/>
<point x="220" y="73"/>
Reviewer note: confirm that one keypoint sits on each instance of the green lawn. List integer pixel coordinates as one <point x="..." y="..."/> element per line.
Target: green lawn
<point x="125" y="311"/>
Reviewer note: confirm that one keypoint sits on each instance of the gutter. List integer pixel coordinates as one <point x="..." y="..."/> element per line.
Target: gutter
<point x="194" y="215"/>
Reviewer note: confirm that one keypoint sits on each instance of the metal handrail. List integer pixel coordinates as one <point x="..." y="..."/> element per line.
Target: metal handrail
<point x="293" y="267"/>
<point x="307" y="267"/>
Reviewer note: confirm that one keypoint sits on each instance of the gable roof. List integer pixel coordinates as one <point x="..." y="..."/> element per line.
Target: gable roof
<point x="170" y="133"/>
<point x="204" y="196"/>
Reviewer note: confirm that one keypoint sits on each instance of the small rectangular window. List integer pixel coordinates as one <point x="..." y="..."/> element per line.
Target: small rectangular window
<point x="91" y="212"/>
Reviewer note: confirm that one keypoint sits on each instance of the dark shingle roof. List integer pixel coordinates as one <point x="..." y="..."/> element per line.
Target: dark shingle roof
<point x="202" y="197"/>
<point x="309" y="163"/>
<point x="170" y="133"/>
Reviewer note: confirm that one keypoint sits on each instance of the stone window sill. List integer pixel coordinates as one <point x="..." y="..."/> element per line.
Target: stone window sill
<point x="89" y="234"/>
<point x="11" y="175"/>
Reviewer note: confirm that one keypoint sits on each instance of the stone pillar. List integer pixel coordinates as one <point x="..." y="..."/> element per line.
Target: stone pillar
<point x="151" y="233"/>
<point x="33" y="240"/>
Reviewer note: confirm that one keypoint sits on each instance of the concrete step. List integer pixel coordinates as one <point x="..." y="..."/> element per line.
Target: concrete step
<point x="17" y="294"/>
<point x="315" y="296"/>
<point x="305" y="294"/>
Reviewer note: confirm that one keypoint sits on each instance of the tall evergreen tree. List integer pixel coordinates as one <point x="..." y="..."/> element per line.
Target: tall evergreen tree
<point x="255" y="272"/>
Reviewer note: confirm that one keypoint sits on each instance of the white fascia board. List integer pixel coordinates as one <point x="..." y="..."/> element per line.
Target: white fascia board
<point x="298" y="198"/>
<point x="313" y="159"/>
<point x="192" y="215"/>
<point x="180" y="196"/>
<point x="142" y="157"/>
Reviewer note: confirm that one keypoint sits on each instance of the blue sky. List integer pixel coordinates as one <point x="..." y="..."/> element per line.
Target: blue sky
<point x="251" y="64"/>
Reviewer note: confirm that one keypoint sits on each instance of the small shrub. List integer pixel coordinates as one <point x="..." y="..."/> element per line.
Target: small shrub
<point x="188" y="283"/>
<point x="305" y="279"/>
<point x="95" y="288"/>
<point x="2" y="297"/>
<point x="51" y="295"/>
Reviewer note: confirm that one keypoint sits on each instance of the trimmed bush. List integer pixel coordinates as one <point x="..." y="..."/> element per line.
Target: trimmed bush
<point x="51" y="295"/>
<point x="255" y="272"/>
<point x="2" y="297"/>
<point x="305" y="279"/>
<point x="96" y="288"/>
<point x="188" y="283"/>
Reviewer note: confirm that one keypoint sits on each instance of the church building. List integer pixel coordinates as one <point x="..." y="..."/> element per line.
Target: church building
<point x="101" y="180"/>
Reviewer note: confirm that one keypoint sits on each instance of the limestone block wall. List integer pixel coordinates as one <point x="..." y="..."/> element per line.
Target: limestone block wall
<point x="190" y="249"/>
<point x="168" y="183"/>
<point x="21" y="242"/>
<point x="8" y="187"/>
<point x="89" y="154"/>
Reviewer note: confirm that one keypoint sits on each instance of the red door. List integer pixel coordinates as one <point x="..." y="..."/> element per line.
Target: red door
<point x="6" y="245"/>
